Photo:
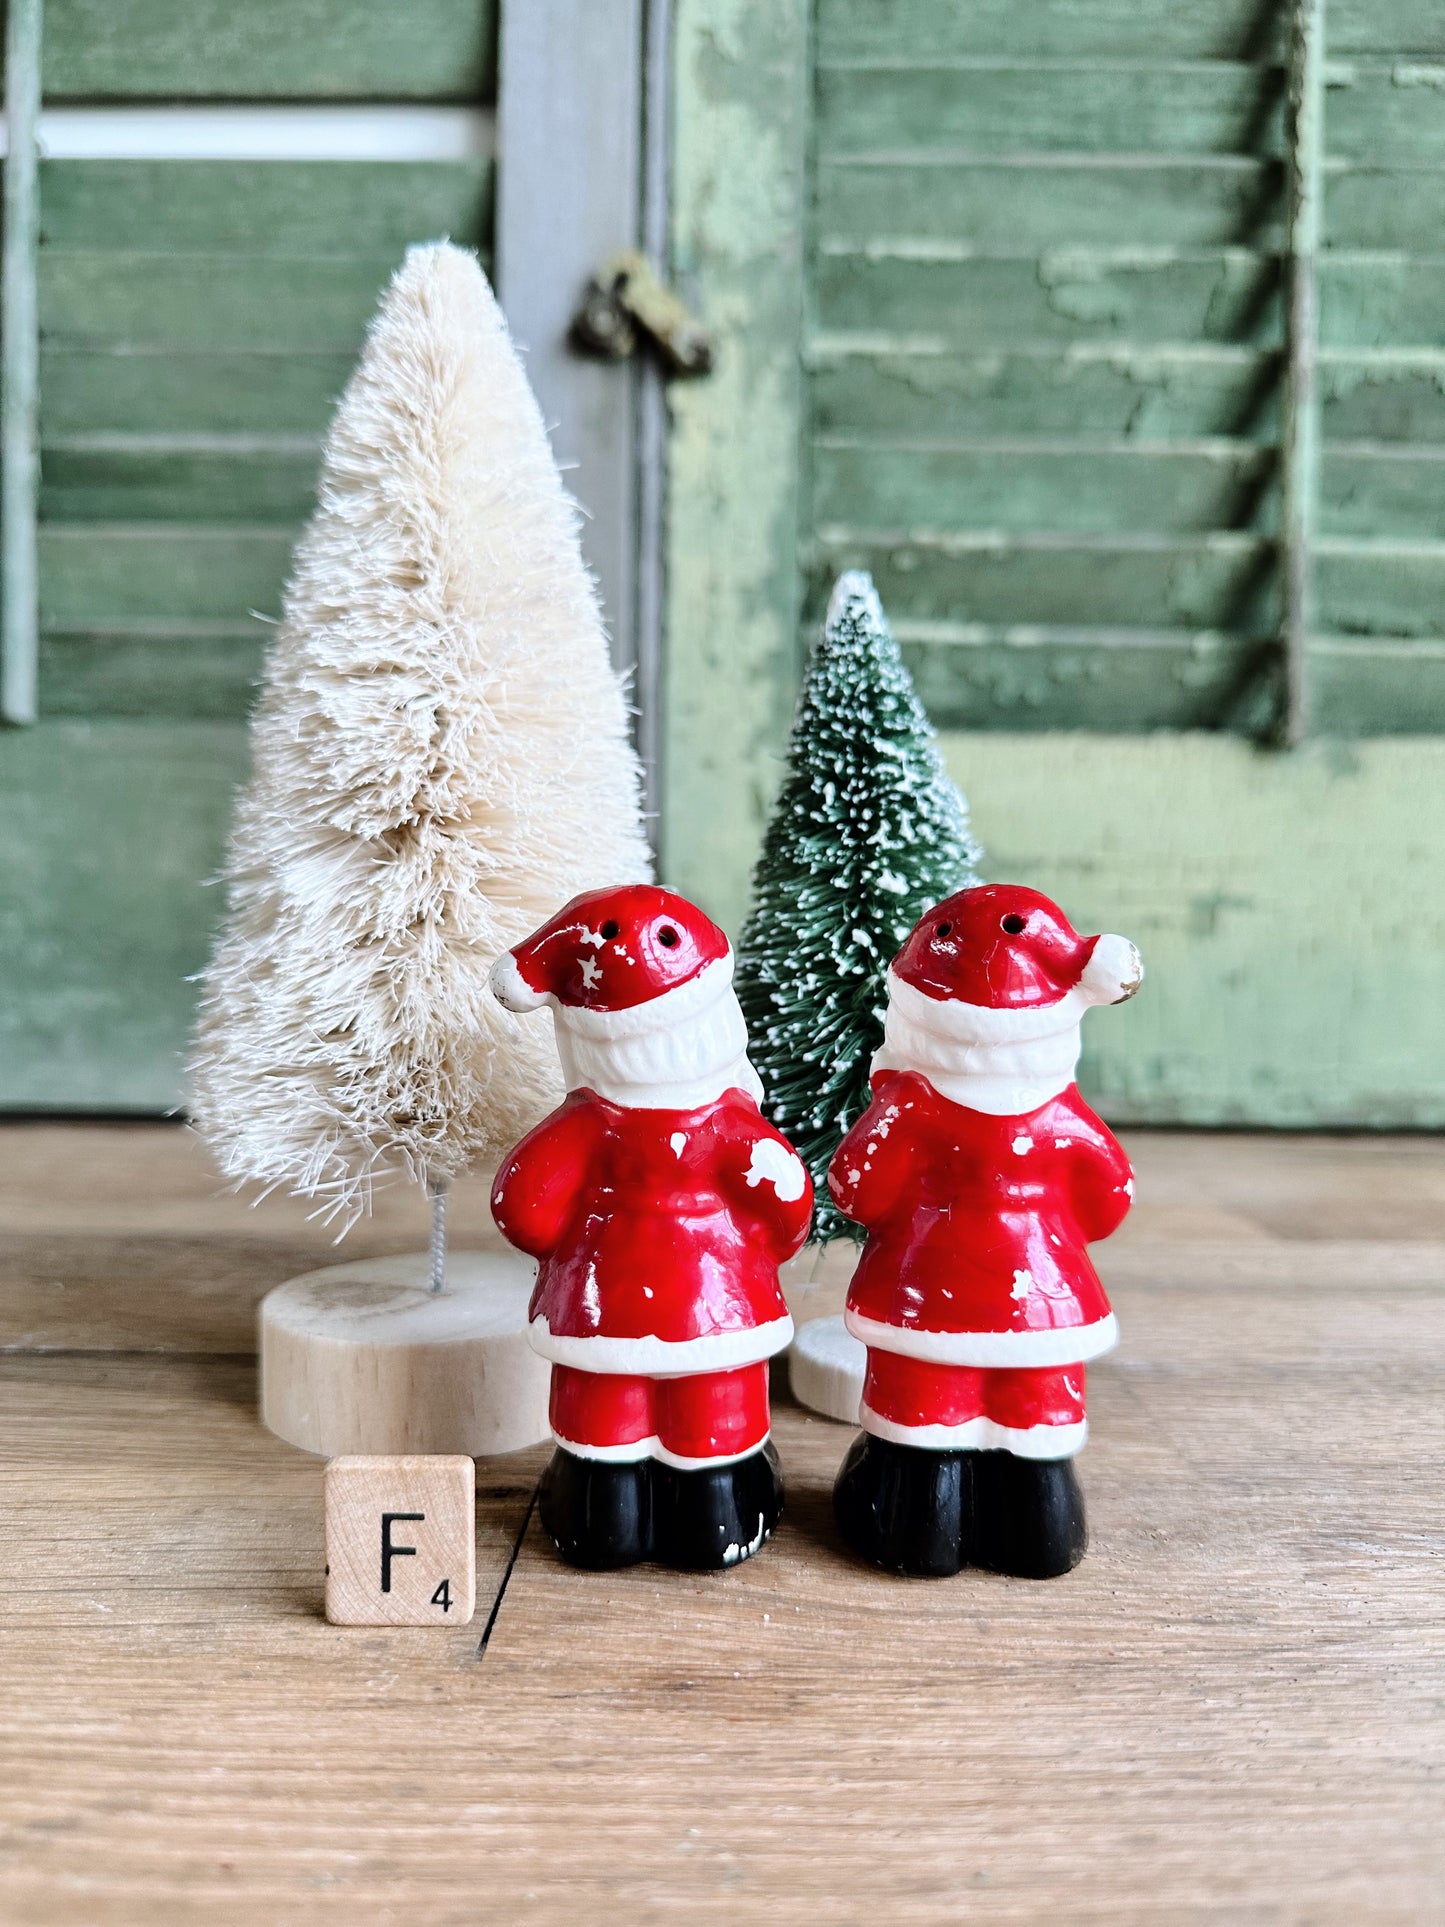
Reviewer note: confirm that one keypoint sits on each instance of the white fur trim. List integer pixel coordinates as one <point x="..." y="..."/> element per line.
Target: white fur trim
<point x="510" y="987"/>
<point x="663" y="1357"/>
<point x="685" y="1464"/>
<point x="1114" y="971"/>
<point x="662" y="1012"/>
<point x="630" y="1452"/>
<point x="677" y="1052"/>
<point x="1003" y="1062"/>
<point x="962" y="1024"/>
<point x="636" y="1450"/>
<point x="996" y="1351"/>
<point x="982" y="1435"/>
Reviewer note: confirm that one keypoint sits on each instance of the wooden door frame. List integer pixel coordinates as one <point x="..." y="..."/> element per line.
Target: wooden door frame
<point x="742" y="85"/>
<point x="583" y="125"/>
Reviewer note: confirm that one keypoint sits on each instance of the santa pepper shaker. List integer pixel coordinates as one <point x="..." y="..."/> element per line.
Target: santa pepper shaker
<point x="981" y="1177"/>
<point x="660" y="1205"/>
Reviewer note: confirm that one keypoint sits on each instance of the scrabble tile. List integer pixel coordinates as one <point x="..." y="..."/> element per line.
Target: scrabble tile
<point x="401" y="1541"/>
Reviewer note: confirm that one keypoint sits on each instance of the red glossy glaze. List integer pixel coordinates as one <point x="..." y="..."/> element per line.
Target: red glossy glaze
<point x="662" y="1225"/>
<point x="979" y="1223"/>
<point x="998" y="944"/>
<point x="614" y="949"/>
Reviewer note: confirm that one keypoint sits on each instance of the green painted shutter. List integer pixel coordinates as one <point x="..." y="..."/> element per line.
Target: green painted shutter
<point x="998" y="289"/>
<point x="197" y="321"/>
<point x="1044" y="357"/>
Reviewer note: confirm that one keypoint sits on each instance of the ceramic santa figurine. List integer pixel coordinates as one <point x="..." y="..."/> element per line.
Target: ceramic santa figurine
<point x="981" y="1176"/>
<point x="660" y="1204"/>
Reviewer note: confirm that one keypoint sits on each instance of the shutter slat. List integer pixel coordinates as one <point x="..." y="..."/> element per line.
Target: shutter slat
<point x="1381" y="586"/>
<point x="924" y="30"/>
<point x="1369" y="486"/>
<point x="1044" y="484"/>
<point x="1133" y="294"/>
<point x="134" y="389"/>
<point x="1386" y="396"/>
<point x="270" y="50"/>
<point x="1046" y="201"/>
<point x="271" y="209"/>
<point x="1141" y="297"/>
<point x="1385" y="585"/>
<point x="168" y="479"/>
<point x="226" y="303"/>
<point x="199" y="677"/>
<point x="1045" y="577"/>
<point x="1100" y="485"/>
<point x="1057" y="679"/>
<point x="1125" y="202"/>
<point x="1379" y="112"/>
<point x="1378" y="685"/>
<point x="1105" y="390"/>
<point x="1008" y="107"/>
<point x="101" y="577"/>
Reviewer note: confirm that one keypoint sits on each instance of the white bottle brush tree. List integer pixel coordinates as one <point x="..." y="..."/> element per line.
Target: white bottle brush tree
<point x="440" y="760"/>
<point x="867" y="833"/>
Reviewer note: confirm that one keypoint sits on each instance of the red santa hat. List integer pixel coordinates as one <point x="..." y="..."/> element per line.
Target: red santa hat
<point x="986" y="996"/>
<point x="1003" y="947"/>
<point x="639" y="981"/>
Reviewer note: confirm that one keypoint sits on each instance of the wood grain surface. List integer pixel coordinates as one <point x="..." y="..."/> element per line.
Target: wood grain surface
<point x="1231" y="1712"/>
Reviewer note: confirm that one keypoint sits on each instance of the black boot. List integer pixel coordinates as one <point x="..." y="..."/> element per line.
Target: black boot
<point x="905" y="1509"/>
<point x="1030" y="1516"/>
<point x="597" y="1514"/>
<point x="716" y="1516"/>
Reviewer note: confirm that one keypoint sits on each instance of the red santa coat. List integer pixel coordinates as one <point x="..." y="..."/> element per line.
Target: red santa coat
<point x="978" y="1226"/>
<point x="660" y="1233"/>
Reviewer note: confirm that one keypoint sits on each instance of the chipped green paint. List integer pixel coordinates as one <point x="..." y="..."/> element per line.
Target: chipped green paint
<point x="742" y="77"/>
<point x="1045" y="369"/>
<point x="887" y="389"/>
<point x="988" y="105"/>
<point x="929" y="295"/>
<point x="912" y="30"/>
<point x="960" y="305"/>
<point x="1291" y="912"/>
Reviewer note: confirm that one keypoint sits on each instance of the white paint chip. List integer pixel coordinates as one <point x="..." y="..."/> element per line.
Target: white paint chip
<point x="774" y="1164"/>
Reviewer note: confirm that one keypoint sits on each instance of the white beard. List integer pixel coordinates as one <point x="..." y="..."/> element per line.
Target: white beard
<point x="676" y="1053"/>
<point x="1004" y="1062"/>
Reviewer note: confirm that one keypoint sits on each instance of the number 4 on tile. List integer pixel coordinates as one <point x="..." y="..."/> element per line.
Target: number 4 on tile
<point x="400" y="1541"/>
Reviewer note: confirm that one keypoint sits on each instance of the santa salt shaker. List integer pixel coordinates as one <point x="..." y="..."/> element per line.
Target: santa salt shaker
<point x="660" y="1205"/>
<point x="981" y="1176"/>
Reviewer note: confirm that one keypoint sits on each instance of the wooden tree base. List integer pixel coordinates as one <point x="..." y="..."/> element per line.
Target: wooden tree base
<point x="363" y="1358"/>
<point x="825" y="1369"/>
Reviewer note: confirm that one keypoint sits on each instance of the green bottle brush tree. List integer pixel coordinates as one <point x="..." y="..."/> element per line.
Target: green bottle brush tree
<point x="868" y="831"/>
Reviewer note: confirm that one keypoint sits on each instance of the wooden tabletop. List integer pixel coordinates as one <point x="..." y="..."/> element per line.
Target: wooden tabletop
<point x="1234" y="1711"/>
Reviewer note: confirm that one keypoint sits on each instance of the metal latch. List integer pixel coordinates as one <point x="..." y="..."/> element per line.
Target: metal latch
<point x="626" y="299"/>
